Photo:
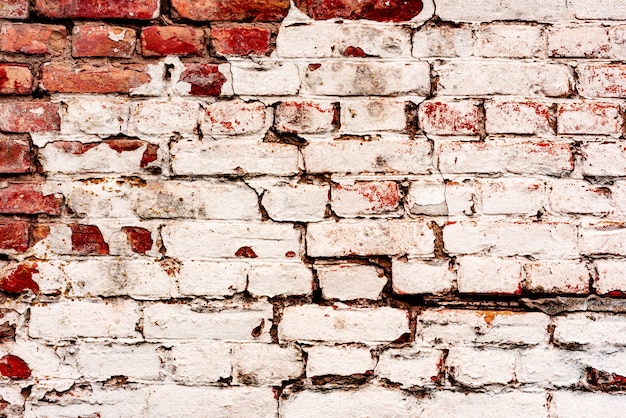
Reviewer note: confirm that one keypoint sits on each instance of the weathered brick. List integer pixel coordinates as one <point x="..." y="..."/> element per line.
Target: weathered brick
<point x="443" y="40"/>
<point x="600" y="329"/>
<point x="237" y="10"/>
<point x="108" y="402"/>
<point x="265" y="78"/>
<point x="410" y="366"/>
<point x="579" y="42"/>
<point x="241" y="39"/>
<point x="305" y="117"/>
<point x="601" y="9"/>
<point x="611" y="279"/>
<point x="288" y="201"/>
<point x="510" y="196"/>
<point x="94" y="9"/>
<point x="477" y="367"/>
<point x="350" y="281"/>
<point x="429" y="196"/>
<point x="601" y="80"/>
<point x="105" y="116"/>
<point x="362" y="198"/>
<point x="505" y="275"/>
<point x="27" y="198"/>
<point x="416" y="276"/>
<point x="171" y="40"/>
<point x="390" y="11"/>
<point x="579" y="197"/>
<point x="514" y="404"/>
<point x="517" y="117"/>
<point x="204" y="80"/>
<point x="212" y="279"/>
<point x="14" y="236"/>
<point x="29" y="117"/>
<point x="509" y="41"/>
<point x="604" y="158"/>
<point x="373" y="114"/>
<point x="14" y="9"/>
<point x="549" y="367"/>
<point x="589" y="118"/>
<point x="103" y="41"/>
<point x="15" y="79"/>
<point x="205" y="362"/>
<point x="449" y="117"/>
<point x="266" y="364"/>
<point x="332" y="324"/>
<point x="86" y="78"/>
<point x="33" y="38"/>
<point x="101" y="362"/>
<point x="556" y="277"/>
<point x="162" y="116"/>
<point x="282" y="279"/>
<point x="603" y="238"/>
<point x="233" y="117"/>
<point x="338" y="360"/>
<point x="480" y="11"/>
<point x="14" y="154"/>
<point x="570" y="404"/>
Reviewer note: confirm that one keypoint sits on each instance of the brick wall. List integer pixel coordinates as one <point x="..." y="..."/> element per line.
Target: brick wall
<point x="330" y="208"/>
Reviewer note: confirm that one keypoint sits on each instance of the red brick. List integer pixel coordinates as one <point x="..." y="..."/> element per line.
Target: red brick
<point x="14" y="236"/>
<point x="103" y="41"/>
<point x="20" y="280"/>
<point x="33" y="38"/>
<point x="379" y="10"/>
<point x="14" y="155"/>
<point x="449" y="118"/>
<point x="140" y="239"/>
<point x="87" y="239"/>
<point x="233" y="10"/>
<point x="14" y="9"/>
<point x="65" y="78"/>
<point x="15" y="79"/>
<point x="14" y="367"/>
<point x="171" y="40"/>
<point x="205" y="79"/>
<point x="240" y="40"/>
<point x="29" y="117"/>
<point x="99" y="9"/>
<point x="26" y="199"/>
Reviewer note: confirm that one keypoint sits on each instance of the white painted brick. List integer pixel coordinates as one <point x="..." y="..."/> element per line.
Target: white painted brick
<point x="305" y="117"/>
<point x="579" y="41"/>
<point x="188" y="239"/>
<point x="95" y="115"/>
<point x="514" y="404"/>
<point x="233" y="117"/>
<point x="266" y="364"/>
<point x="162" y="117"/>
<point x="449" y="117"/>
<point x="265" y="78"/>
<point x="599" y="329"/>
<point x="517" y="117"/>
<point x="218" y="322"/>
<point x="489" y="275"/>
<point x="510" y="238"/>
<point x="328" y="39"/>
<point x="549" y="367"/>
<point x="190" y="157"/>
<point x="589" y="118"/>
<point x="570" y="196"/>
<point x="300" y="202"/>
<point x="487" y="77"/>
<point x="477" y="367"/>
<point x="372" y="115"/>
<point x="617" y="35"/>
<point x="601" y="80"/>
<point x="201" y="363"/>
<point x="604" y="159"/>
<point x="461" y="327"/>
<point x="514" y="41"/>
<point x="280" y="279"/>
<point x="607" y="360"/>
<point x="101" y="362"/>
<point x="350" y="281"/>
<point x="43" y="360"/>
<point x="600" y="9"/>
<point x="385" y="237"/>
<point x="618" y="192"/>
<point x="511" y="196"/>
<point x="603" y="238"/>
<point x="409" y="366"/>
<point x="579" y="404"/>
<point x="338" y="360"/>
<point x="367" y="77"/>
<point x="331" y="324"/>
<point x="443" y="41"/>
<point x="611" y="276"/>
<point x="416" y="276"/>
<point x="67" y="320"/>
<point x="371" y="400"/>
<point x="503" y="156"/>
<point x="428" y="197"/>
<point x="222" y="402"/>
<point x="212" y="279"/>
<point x="362" y="198"/>
<point x="480" y="11"/>
<point x="560" y="276"/>
<point x="378" y="155"/>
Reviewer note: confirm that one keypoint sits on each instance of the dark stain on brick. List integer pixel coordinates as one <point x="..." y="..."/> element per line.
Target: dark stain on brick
<point x="256" y="332"/>
<point x="246" y="252"/>
<point x="140" y="239"/>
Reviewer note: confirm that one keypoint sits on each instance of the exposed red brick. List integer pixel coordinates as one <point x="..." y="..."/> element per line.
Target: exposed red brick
<point x="205" y="79"/>
<point x="379" y="10"/>
<point x="240" y="40"/>
<point x="87" y="239"/>
<point x="103" y="41"/>
<point x="354" y="51"/>
<point x="14" y="155"/>
<point x="15" y="79"/>
<point x="449" y="117"/>
<point x="39" y="232"/>
<point x="99" y="9"/>
<point x="14" y="236"/>
<point x="171" y="40"/>
<point x="14" y="9"/>
<point x="140" y="239"/>
<point x="26" y="199"/>
<point x="29" y="117"/>
<point x="20" y="280"/>
<point x="149" y="155"/>
<point x="232" y="10"/>
<point x="245" y="252"/>
<point x="64" y="78"/>
<point x="74" y="147"/>
<point x="32" y="38"/>
<point x="14" y="367"/>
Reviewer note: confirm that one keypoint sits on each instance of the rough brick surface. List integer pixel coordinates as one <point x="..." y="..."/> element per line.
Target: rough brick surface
<point x="315" y="208"/>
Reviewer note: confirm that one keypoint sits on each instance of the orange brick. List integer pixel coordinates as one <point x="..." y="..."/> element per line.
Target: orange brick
<point x="33" y="38"/>
<point x="171" y="40"/>
<point x="65" y="78"/>
<point x="15" y="79"/>
<point x="98" y="9"/>
<point x="14" y="9"/>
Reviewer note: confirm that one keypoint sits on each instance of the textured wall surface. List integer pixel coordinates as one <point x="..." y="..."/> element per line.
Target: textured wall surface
<point x="330" y="208"/>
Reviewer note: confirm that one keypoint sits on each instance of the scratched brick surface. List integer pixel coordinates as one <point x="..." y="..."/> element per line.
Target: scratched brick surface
<point x="315" y="208"/>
